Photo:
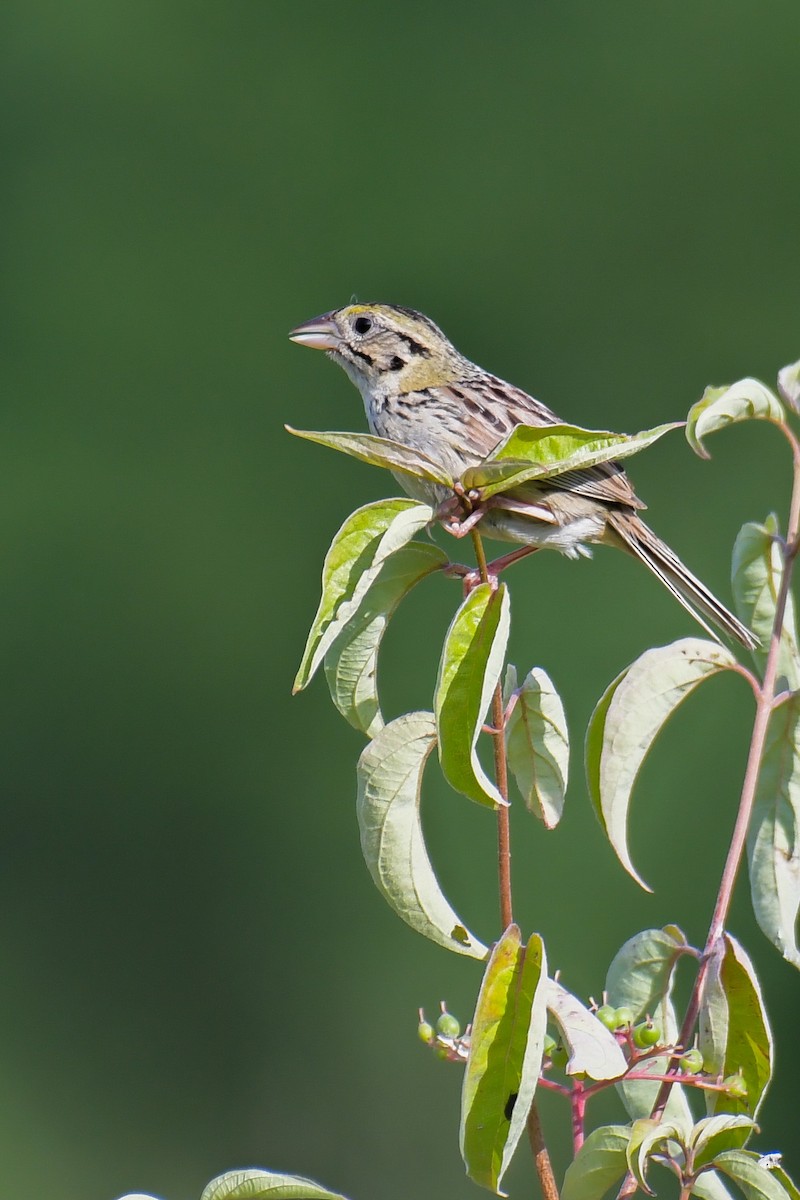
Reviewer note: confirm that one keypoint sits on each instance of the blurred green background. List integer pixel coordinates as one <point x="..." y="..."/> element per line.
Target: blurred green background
<point x="596" y="201"/>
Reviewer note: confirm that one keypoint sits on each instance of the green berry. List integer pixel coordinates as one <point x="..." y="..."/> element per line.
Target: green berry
<point x="607" y="1015"/>
<point x="735" y="1086"/>
<point x="425" y="1032"/>
<point x="559" y="1056"/>
<point x="448" y="1025"/>
<point x="624" y="1017"/>
<point x="646" y="1035"/>
<point x="692" y="1061"/>
<point x="443" y="1053"/>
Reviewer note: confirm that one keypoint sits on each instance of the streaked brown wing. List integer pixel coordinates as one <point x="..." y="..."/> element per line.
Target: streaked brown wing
<point x="606" y="482"/>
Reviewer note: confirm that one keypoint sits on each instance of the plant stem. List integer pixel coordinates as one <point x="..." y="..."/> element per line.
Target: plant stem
<point x="765" y="697"/>
<point x="541" y="1158"/>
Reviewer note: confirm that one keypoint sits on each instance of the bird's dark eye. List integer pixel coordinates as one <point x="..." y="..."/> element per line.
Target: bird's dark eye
<point x="362" y="325"/>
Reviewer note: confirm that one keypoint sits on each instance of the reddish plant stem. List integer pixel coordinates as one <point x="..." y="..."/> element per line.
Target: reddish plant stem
<point x="765" y="697"/>
<point x="578" y="1103"/>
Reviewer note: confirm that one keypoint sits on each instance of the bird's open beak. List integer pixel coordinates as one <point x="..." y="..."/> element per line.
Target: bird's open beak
<point x="319" y="333"/>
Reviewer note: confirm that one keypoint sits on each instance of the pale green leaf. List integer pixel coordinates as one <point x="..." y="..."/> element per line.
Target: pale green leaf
<point x="537" y="744"/>
<point x="753" y="1178"/>
<point x="351" y="663"/>
<point x="253" y="1184"/>
<point x="470" y="667"/>
<point x="734" y="1032"/>
<point x="591" y="1047"/>
<point x="773" y="836"/>
<point x="640" y="975"/>
<point x="789" y="385"/>
<point x="599" y="1164"/>
<point x="389" y="780"/>
<point x="712" y="1135"/>
<point x="650" y="1137"/>
<point x="358" y="551"/>
<point x="542" y="451"/>
<point x="709" y="1186"/>
<point x="379" y="452"/>
<point x="627" y="719"/>
<point x="756" y="573"/>
<point x="718" y="407"/>
<point x="505" y="1056"/>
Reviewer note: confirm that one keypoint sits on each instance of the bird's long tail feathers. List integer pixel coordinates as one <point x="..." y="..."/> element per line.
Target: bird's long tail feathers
<point x="687" y="589"/>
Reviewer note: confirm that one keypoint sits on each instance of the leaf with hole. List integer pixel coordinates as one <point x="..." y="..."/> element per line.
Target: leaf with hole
<point x="505" y="1056"/>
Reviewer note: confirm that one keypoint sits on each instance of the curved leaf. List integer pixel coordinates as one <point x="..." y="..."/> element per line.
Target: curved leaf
<point x="598" y="1165"/>
<point x="379" y="452"/>
<point x="640" y="975"/>
<point x="592" y="1048"/>
<point x="734" y="1033"/>
<point x="389" y="781"/>
<point x="628" y="718"/>
<point x="541" y="451"/>
<point x="358" y="551"/>
<point x="649" y="1137"/>
<point x="713" y="1135"/>
<point x="773" y="837"/>
<point x="789" y="385"/>
<point x="505" y="1056"/>
<point x="472" y="659"/>
<point x="351" y="663"/>
<point x="537" y="744"/>
<point x="746" y="400"/>
<point x="253" y="1184"/>
<point x="754" y="1179"/>
<point x="756" y="572"/>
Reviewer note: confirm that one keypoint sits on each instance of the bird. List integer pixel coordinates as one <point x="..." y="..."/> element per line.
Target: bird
<point x="419" y="390"/>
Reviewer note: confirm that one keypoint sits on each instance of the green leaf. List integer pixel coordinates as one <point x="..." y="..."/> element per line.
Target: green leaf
<point x="599" y="1164"/>
<point x="789" y="385"/>
<point x="505" y="1056"/>
<point x="379" y="452"/>
<point x="389" y="780"/>
<point x="734" y="1033"/>
<point x="713" y="1135"/>
<point x="540" y="452"/>
<point x="351" y="663"/>
<point x="593" y="1049"/>
<point x="709" y="1186"/>
<point x="650" y="1137"/>
<point x="720" y="406"/>
<point x="537" y="744"/>
<point x="756" y="1181"/>
<point x="756" y="574"/>
<point x="627" y="719"/>
<point x="773" y="837"/>
<point x="640" y="975"/>
<point x="252" y="1184"/>
<point x="357" y="553"/>
<point x="472" y="659"/>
